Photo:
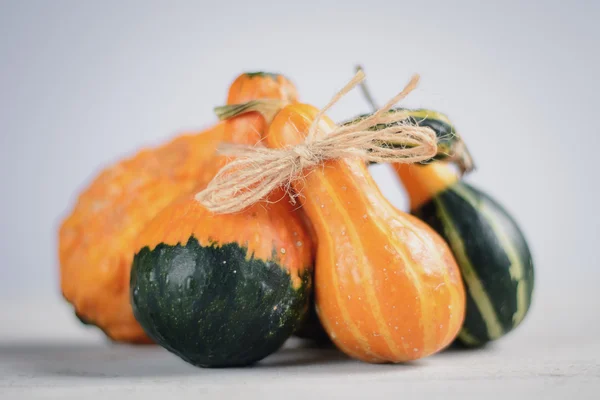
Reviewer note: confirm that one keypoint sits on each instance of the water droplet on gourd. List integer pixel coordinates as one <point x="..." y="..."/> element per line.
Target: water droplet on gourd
<point x="189" y="282"/>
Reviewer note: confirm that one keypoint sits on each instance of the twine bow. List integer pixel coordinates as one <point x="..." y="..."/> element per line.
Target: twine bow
<point x="257" y="171"/>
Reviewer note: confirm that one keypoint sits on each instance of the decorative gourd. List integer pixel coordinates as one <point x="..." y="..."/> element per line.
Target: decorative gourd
<point x="222" y="290"/>
<point x="387" y="287"/>
<point x="97" y="239"/>
<point x="490" y="249"/>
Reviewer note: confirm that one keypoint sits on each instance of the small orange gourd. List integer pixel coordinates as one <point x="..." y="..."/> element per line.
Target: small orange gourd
<point x="387" y="286"/>
<point x="223" y="290"/>
<point x="97" y="238"/>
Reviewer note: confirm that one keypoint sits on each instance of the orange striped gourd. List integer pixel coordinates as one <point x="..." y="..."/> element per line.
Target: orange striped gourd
<point x="387" y="287"/>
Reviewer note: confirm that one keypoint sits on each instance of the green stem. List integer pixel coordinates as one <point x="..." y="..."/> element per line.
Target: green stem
<point x="267" y="107"/>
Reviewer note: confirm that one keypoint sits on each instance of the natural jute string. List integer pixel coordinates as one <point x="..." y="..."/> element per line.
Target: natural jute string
<point x="257" y="171"/>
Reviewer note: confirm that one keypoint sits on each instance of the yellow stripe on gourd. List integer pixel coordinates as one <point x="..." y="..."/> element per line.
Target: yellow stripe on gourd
<point x="409" y="267"/>
<point x="474" y="286"/>
<point x="425" y="307"/>
<point x="347" y="320"/>
<point x="429" y="114"/>
<point x="516" y="269"/>
<point x="465" y="336"/>
<point x="367" y="274"/>
<point x="345" y="316"/>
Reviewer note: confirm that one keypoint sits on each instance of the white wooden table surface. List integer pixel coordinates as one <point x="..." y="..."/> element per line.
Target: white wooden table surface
<point x="45" y="353"/>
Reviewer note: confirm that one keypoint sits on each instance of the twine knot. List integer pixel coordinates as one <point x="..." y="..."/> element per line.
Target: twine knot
<point x="306" y="157"/>
<point x="258" y="171"/>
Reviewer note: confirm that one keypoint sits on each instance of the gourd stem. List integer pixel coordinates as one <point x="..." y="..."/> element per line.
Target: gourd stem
<point x="267" y="107"/>
<point x="366" y="92"/>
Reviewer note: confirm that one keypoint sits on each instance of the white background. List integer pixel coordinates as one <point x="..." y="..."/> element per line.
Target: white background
<point x="85" y="83"/>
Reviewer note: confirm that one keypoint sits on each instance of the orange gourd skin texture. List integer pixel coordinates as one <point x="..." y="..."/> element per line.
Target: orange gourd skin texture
<point x="97" y="239"/>
<point x="268" y="231"/>
<point x="387" y="287"/>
